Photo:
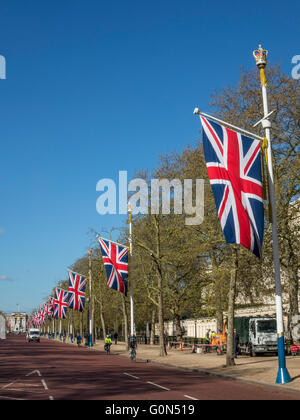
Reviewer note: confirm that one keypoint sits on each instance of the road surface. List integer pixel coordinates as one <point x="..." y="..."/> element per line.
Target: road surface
<point x="51" y="370"/>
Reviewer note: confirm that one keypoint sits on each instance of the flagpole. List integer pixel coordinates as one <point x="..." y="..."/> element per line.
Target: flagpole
<point x="241" y="130"/>
<point x="71" y="327"/>
<point x="90" y="278"/>
<point x="132" y="329"/>
<point x="283" y="376"/>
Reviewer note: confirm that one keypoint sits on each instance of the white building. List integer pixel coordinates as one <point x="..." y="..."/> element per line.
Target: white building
<point x="16" y="321"/>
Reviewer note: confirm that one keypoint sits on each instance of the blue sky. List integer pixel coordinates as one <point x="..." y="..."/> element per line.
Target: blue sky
<point x="96" y="87"/>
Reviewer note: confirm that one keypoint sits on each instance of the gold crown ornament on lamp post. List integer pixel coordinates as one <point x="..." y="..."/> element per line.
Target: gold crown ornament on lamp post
<point x="260" y="56"/>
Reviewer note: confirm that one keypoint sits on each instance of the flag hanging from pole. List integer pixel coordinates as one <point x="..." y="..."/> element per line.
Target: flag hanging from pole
<point x="48" y="309"/>
<point x="234" y="168"/>
<point x="42" y="316"/>
<point x="77" y="286"/>
<point x="35" y="318"/>
<point x="61" y="303"/>
<point x="115" y="259"/>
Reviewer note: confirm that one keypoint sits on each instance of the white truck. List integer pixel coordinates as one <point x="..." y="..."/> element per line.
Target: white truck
<point x="257" y="335"/>
<point x="33" y="335"/>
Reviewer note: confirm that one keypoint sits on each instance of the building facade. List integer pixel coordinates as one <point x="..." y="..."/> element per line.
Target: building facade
<point x="16" y="322"/>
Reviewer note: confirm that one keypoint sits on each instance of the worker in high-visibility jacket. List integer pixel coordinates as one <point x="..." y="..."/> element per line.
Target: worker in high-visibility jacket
<point x="108" y="339"/>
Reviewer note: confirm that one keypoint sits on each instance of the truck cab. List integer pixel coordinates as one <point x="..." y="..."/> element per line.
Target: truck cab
<point x="262" y="335"/>
<point x="33" y="335"/>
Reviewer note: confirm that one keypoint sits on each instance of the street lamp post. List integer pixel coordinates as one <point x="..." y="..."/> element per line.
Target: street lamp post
<point x="283" y="376"/>
<point x="91" y="301"/>
<point x="132" y="329"/>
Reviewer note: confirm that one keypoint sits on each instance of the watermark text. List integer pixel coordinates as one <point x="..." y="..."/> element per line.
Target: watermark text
<point x="157" y="196"/>
<point x="296" y="68"/>
<point x="2" y="67"/>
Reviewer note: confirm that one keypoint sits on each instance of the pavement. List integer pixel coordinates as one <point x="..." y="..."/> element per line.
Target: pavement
<point x="258" y="370"/>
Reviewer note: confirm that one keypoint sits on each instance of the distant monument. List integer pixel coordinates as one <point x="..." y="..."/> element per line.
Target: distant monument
<point x="2" y="328"/>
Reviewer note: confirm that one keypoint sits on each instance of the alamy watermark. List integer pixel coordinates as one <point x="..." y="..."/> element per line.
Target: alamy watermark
<point x="158" y="196"/>
<point x="2" y="67"/>
<point x="296" y="68"/>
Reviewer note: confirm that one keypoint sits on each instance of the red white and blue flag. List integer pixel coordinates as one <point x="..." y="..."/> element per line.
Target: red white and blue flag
<point x="51" y="305"/>
<point x="35" y="318"/>
<point x="77" y="286"/>
<point x="42" y="316"/>
<point x="48" y="309"/>
<point x="234" y="168"/>
<point x="60" y="303"/>
<point x="115" y="259"/>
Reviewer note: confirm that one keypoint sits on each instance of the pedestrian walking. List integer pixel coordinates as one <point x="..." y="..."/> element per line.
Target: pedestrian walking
<point x="116" y="337"/>
<point x="236" y="343"/>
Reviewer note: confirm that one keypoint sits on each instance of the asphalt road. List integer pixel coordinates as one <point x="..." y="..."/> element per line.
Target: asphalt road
<point x="51" y="370"/>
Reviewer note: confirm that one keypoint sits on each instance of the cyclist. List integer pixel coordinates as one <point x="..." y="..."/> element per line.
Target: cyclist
<point x="132" y="347"/>
<point x="107" y="344"/>
<point x="79" y="339"/>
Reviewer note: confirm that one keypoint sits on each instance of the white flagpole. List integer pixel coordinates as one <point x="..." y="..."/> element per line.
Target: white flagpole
<point x="132" y="329"/>
<point x="109" y="240"/>
<point x="71" y="327"/>
<point x="233" y="127"/>
<point x="91" y="314"/>
<point x="283" y="376"/>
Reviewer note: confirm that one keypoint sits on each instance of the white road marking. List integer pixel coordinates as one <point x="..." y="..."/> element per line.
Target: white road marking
<point x="29" y="384"/>
<point x="15" y="389"/>
<point x="132" y="376"/>
<point x="191" y="398"/>
<point x="34" y="371"/>
<point x="25" y="389"/>
<point x="159" y="386"/>
<point x="45" y="386"/>
<point x="5" y="386"/>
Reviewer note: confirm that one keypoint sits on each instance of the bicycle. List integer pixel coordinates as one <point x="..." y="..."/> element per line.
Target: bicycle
<point x="107" y="348"/>
<point x="132" y="354"/>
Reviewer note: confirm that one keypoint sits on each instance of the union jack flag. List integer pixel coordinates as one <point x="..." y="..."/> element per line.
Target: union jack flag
<point x="77" y="285"/>
<point x="48" y="309"/>
<point x="115" y="258"/>
<point x="35" y="318"/>
<point x="42" y="316"/>
<point x="51" y="302"/>
<point x="61" y="303"/>
<point x="234" y="168"/>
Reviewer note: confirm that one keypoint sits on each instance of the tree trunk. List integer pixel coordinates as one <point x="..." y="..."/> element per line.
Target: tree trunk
<point x="219" y="321"/>
<point x="81" y="324"/>
<point x="162" y="344"/>
<point x="178" y="328"/>
<point x="231" y="307"/>
<point x="93" y="321"/>
<point x="152" y="335"/>
<point x="102" y="317"/>
<point x="125" y="322"/>
<point x="293" y="289"/>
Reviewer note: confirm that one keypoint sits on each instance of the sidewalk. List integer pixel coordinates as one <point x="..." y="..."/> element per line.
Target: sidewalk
<point x="259" y="370"/>
<point x="262" y="370"/>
